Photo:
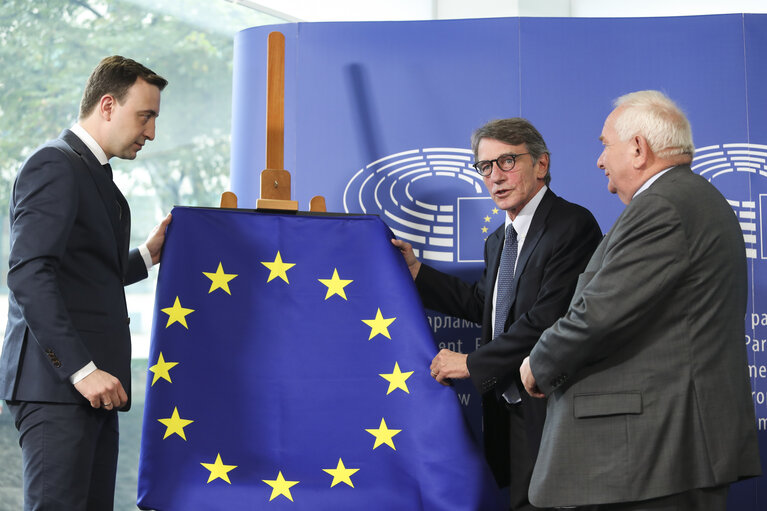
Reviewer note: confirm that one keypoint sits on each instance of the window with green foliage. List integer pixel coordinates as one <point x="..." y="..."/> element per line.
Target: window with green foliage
<point x="47" y="50"/>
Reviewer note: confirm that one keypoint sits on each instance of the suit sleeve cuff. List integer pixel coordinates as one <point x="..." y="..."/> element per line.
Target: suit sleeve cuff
<point x="82" y="373"/>
<point x="146" y="256"/>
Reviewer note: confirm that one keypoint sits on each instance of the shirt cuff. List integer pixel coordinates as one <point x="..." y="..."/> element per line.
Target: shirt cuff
<point x="82" y="373"/>
<point x="146" y="256"/>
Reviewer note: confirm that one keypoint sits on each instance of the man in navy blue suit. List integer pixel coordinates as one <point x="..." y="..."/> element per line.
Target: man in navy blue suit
<point x="531" y="268"/>
<point x="65" y="363"/>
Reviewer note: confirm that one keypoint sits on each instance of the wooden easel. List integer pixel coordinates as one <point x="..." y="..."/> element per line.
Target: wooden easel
<point x="275" y="181"/>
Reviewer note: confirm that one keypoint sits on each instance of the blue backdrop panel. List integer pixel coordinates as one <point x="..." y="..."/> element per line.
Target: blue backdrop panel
<point x="572" y="69"/>
<point x="378" y="119"/>
<point x="367" y="91"/>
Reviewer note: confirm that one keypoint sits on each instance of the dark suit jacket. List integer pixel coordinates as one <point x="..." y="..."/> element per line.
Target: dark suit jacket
<point x="69" y="262"/>
<point x="559" y="243"/>
<point x="647" y="374"/>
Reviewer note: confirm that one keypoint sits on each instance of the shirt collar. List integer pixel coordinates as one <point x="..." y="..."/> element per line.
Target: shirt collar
<point x="525" y="217"/>
<point x="90" y="142"/>
<point x="650" y="181"/>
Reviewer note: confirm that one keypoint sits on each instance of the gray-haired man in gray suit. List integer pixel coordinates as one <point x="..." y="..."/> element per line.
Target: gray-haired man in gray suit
<point x="647" y="377"/>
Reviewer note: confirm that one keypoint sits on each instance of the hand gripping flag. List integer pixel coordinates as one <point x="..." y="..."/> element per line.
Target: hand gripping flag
<point x="289" y="369"/>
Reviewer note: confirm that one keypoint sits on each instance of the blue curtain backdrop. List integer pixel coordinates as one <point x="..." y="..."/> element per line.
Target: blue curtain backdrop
<point x="378" y="119"/>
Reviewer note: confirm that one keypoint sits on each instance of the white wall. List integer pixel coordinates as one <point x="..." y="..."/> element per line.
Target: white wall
<point x="366" y="10"/>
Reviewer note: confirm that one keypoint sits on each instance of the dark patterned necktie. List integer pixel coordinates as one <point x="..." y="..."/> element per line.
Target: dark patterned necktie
<point x="116" y="191"/>
<point x="503" y="296"/>
<point x="505" y="280"/>
<point x="123" y="218"/>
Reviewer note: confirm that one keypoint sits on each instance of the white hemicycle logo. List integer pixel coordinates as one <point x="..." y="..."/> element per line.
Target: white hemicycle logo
<point x="729" y="165"/>
<point x="431" y="197"/>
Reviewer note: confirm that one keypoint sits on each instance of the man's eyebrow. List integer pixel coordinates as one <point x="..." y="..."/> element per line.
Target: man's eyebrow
<point x="150" y="112"/>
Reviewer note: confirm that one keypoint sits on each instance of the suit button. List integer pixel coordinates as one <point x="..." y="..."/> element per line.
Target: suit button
<point x="127" y="320"/>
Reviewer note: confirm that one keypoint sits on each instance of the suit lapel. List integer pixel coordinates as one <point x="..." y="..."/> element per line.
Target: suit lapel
<point x="106" y="189"/>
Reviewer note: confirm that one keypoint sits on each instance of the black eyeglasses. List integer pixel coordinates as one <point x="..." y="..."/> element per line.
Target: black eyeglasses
<point x="505" y="162"/>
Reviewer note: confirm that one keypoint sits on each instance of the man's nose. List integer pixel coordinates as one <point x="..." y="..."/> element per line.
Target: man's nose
<point x="149" y="131"/>
<point x="496" y="174"/>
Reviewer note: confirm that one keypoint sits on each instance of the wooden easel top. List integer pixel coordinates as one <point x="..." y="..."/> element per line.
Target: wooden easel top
<point x="275" y="181"/>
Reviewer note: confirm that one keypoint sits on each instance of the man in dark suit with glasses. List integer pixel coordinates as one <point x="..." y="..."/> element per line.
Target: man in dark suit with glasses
<point x="531" y="267"/>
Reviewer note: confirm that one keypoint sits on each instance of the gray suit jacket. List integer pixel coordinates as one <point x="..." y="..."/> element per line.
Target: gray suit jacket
<point x="647" y="374"/>
<point x="69" y="262"/>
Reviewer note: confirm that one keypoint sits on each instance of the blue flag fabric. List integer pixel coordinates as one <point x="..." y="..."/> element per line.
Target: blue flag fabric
<point x="289" y="369"/>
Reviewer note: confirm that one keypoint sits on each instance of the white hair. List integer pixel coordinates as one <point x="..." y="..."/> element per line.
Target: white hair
<point x="654" y="116"/>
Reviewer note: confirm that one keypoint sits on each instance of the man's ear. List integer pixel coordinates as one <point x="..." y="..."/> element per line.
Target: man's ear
<point x="106" y="106"/>
<point x="641" y="151"/>
<point x="543" y="166"/>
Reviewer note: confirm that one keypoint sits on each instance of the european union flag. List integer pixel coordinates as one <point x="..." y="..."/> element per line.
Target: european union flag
<point x="289" y="369"/>
<point x="478" y="217"/>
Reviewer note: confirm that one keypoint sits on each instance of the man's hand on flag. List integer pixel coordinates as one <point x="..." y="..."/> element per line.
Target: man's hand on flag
<point x="406" y="248"/>
<point x="449" y="365"/>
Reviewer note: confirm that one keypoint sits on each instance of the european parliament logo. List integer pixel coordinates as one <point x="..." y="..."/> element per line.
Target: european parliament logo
<point x="431" y="197"/>
<point x="739" y="170"/>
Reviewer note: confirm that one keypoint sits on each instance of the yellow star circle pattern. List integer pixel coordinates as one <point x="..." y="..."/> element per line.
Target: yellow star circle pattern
<point x="280" y="487"/>
<point x="175" y="425"/>
<point x="177" y="313"/>
<point x="379" y="325"/>
<point x="341" y="474"/>
<point x="396" y="379"/>
<point x="384" y="435"/>
<point x="219" y="280"/>
<point x="218" y="470"/>
<point x="162" y="369"/>
<point x="277" y="268"/>
<point x="335" y="285"/>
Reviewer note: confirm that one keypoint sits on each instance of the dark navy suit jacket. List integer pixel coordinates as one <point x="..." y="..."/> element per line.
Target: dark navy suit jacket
<point x="561" y="238"/>
<point x="69" y="263"/>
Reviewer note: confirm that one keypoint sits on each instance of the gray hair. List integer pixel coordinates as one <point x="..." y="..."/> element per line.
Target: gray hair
<point x="514" y="131"/>
<point x="654" y="116"/>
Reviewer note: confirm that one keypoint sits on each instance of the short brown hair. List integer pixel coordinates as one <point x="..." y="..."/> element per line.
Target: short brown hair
<point x="514" y="131"/>
<point x="115" y="75"/>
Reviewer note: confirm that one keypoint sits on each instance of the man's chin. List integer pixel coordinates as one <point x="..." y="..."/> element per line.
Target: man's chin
<point x="128" y="155"/>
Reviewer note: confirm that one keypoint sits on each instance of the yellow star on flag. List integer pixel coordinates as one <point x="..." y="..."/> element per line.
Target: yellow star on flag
<point x="487" y="219"/>
<point x="384" y="435"/>
<point x="341" y="474"/>
<point x="379" y="325"/>
<point x="161" y="369"/>
<point x="277" y="268"/>
<point x="175" y="424"/>
<point x="219" y="280"/>
<point x="495" y="211"/>
<point x="280" y="487"/>
<point x="335" y="285"/>
<point x="396" y="379"/>
<point x="218" y="470"/>
<point x="177" y="313"/>
<point x="484" y="229"/>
